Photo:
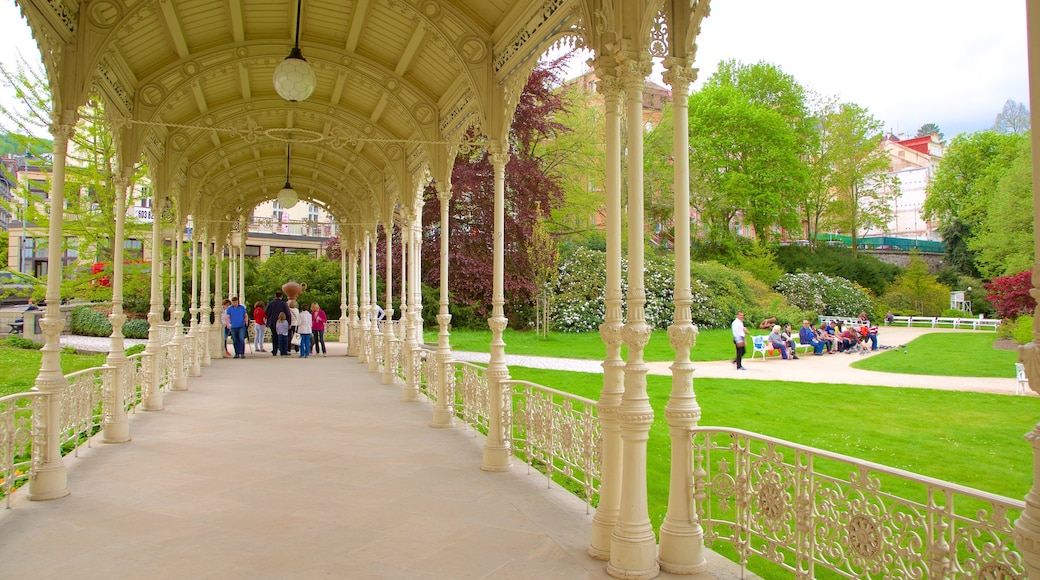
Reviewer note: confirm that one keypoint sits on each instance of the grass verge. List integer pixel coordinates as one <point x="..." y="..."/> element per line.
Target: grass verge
<point x="952" y="354"/>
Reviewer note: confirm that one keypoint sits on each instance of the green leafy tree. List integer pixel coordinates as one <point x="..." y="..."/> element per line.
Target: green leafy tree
<point x="744" y="159"/>
<point x="863" y="194"/>
<point x="1004" y="244"/>
<point x="931" y="129"/>
<point x="958" y="197"/>
<point x="576" y="159"/>
<point x="918" y="290"/>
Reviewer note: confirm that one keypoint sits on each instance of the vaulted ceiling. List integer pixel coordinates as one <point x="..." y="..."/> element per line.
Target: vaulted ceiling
<point x="399" y="86"/>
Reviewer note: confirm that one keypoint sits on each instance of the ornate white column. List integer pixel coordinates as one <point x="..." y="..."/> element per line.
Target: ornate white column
<point x="1027" y="527"/>
<point x="353" y="347"/>
<point x="442" y="414"/>
<point x="375" y="336"/>
<point x="633" y="546"/>
<point x="50" y="478"/>
<point x="389" y="372"/>
<point x="115" y="426"/>
<point x="416" y="286"/>
<point x="180" y="380"/>
<point x="496" y="452"/>
<point x="194" y="369"/>
<point x="613" y="367"/>
<point x="205" y="323"/>
<point x="243" y="232"/>
<point x="152" y="398"/>
<point x="682" y="539"/>
<point x="344" y="328"/>
<point x="365" y="307"/>
<point x="217" y="340"/>
<point x="410" y="390"/>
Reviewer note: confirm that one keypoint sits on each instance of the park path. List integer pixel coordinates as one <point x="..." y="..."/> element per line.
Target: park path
<point x="833" y="369"/>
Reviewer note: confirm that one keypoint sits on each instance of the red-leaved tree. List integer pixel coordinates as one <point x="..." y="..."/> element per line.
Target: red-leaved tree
<point x="1010" y="294"/>
<point x="528" y="191"/>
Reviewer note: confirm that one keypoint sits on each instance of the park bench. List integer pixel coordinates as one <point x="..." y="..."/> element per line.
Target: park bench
<point x="16" y="327"/>
<point x="759" y="345"/>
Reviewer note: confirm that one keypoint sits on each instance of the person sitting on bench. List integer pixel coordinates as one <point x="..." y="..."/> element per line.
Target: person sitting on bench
<point x="19" y="323"/>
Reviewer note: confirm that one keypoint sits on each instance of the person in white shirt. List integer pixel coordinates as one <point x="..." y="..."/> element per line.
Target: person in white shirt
<point x="739" y="335"/>
<point x="305" y="329"/>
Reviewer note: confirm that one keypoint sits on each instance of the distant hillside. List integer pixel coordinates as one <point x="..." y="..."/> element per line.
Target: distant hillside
<point x="17" y="144"/>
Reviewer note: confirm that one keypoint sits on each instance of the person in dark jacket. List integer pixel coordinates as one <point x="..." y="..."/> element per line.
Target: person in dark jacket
<point x="274" y="308"/>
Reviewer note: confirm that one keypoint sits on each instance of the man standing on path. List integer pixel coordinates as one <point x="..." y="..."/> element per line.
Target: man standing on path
<point x="238" y="319"/>
<point x="738" y="339"/>
<point x="274" y="308"/>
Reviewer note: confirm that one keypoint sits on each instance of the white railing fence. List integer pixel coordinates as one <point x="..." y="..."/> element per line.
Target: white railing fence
<point x="18" y="431"/>
<point x="472" y="400"/>
<point x="809" y="511"/>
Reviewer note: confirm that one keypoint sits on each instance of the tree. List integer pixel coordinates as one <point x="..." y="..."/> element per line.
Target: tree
<point x="1010" y="296"/>
<point x="863" y="192"/>
<point x="576" y="160"/>
<point x="1004" y="243"/>
<point x="1013" y="118"/>
<point x="529" y="192"/>
<point x="958" y="197"/>
<point x="918" y="290"/>
<point x="931" y="129"/>
<point x="91" y="167"/>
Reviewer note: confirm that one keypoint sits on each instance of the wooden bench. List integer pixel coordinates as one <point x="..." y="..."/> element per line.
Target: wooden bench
<point x="759" y="345"/>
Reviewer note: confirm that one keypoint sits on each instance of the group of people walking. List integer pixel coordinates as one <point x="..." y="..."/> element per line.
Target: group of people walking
<point x="300" y="330"/>
<point x="830" y="337"/>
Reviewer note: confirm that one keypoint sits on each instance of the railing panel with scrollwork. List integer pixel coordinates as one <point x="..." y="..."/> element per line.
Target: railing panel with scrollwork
<point x="81" y="409"/>
<point x="332" y="328"/>
<point x="808" y="510"/>
<point x="422" y="361"/>
<point x="555" y="432"/>
<point x="395" y="357"/>
<point x="472" y="396"/>
<point x="166" y="332"/>
<point x="167" y="364"/>
<point x="17" y="428"/>
<point x="135" y="377"/>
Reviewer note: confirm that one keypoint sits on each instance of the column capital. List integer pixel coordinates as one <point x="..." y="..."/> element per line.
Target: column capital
<point x="498" y="159"/>
<point x="679" y="74"/>
<point x="444" y="193"/>
<point x="633" y="72"/>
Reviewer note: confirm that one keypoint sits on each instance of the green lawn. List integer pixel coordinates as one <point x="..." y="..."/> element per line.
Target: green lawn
<point x="20" y="367"/>
<point x="712" y="344"/>
<point x="973" y="439"/>
<point x="961" y="354"/>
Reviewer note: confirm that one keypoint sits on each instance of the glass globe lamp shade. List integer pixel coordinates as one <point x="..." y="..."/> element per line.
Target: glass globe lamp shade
<point x="293" y="77"/>
<point x="287" y="197"/>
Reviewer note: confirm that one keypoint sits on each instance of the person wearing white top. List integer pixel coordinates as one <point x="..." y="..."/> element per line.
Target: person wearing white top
<point x="739" y="336"/>
<point x="305" y="330"/>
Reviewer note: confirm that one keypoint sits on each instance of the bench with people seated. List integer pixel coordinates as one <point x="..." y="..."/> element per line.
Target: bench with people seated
<point x="759" y="345"/>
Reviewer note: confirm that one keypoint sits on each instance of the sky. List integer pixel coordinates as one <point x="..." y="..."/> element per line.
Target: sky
<point x="910" y="62"/>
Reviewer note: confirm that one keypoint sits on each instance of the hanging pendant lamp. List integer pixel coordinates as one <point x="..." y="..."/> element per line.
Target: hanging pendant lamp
<point x="287" y="196"/>
<point x="293" y="77"/>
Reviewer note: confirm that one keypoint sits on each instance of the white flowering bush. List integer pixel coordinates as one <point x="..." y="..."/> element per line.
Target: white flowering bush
<point x="823" y="294"/>
<point x="578" y="296"/>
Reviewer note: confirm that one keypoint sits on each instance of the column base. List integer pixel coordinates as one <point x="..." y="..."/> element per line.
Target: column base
<point x="117" y="432"/>
<point x="50" y="483"/>
<point x="388" y="378"/>
<point x="179" y="384"/>
<point x="442" y="419"/>
<point x="682" y="549"/>
<point x="602" y="531"/>
<point x="409" y="395"/>
<point x="496" y="459"/>
<point x="153" y="403"/>
<point x="195" y="371"/>
<point x="633" y="558"/>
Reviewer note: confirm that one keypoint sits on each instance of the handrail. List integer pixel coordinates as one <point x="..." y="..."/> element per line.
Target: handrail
<point x="18" y="434"/>
<point x="804" y="508"/>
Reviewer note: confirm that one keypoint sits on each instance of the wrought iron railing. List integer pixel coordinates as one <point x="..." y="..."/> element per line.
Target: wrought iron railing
<point x="472" y="400"/>
<point x="81" y="405"/>
<point x="135" y="377"/>
<point x="557" y="433"/>
<point x="20" y="427"/>
<point x="807" y="511"/>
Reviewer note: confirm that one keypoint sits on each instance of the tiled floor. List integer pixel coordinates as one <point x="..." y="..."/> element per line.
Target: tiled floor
<point x="288" y="468"/>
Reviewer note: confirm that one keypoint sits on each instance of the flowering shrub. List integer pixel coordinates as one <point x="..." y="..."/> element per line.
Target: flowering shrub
<point x="577" y="302"/>
<point x="830" y="296"/>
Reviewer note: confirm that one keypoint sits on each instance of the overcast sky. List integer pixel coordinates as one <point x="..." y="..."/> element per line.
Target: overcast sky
<point x="910" y="62"/>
